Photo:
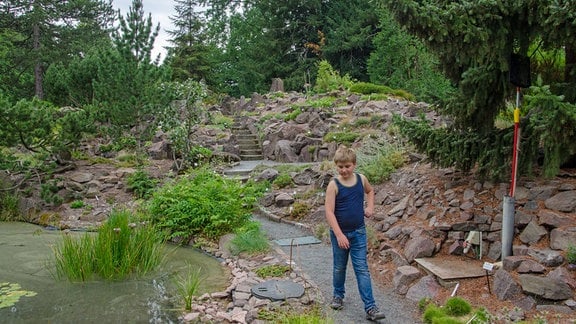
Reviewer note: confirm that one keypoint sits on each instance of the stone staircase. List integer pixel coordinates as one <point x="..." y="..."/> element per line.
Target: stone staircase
<point x="249" y="143"/>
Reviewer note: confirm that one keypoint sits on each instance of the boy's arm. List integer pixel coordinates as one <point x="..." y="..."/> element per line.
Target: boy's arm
<point x="369" y="191"/>
<point x="330" y="204"/>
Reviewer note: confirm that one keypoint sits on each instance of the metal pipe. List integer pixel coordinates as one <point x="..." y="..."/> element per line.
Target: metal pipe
<point x="507" y="226"/>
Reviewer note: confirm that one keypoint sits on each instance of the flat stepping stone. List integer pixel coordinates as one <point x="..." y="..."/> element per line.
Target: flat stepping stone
<point x="278" y="290"/>
<point x="304" y="240"/>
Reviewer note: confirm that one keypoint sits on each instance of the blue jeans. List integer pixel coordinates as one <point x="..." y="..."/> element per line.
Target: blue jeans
<point x="357" y="252"/>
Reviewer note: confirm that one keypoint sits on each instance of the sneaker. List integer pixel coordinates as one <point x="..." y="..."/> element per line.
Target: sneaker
<point x="374" y="314"/>
<point x="337" y="303"/>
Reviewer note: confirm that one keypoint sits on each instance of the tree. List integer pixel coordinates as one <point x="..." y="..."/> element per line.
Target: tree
<point x="350" y="27"/>
<point x="43" y="32"/>
<point x="135" y="36"/>
<point x="474" y="41"/>
<point x="401" y="61"/>
<point x="189" y="57"/>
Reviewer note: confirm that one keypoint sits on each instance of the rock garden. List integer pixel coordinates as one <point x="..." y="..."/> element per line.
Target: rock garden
<point x="421" y="211"/>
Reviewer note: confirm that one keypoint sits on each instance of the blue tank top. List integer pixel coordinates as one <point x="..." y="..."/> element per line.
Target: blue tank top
<point x="349" y="206"/>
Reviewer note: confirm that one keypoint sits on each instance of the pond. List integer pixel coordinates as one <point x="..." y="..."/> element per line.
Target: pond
<point x="25" y="255"/>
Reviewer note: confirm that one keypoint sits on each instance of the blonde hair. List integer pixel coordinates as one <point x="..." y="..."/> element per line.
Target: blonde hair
<point x="344" y="154"/>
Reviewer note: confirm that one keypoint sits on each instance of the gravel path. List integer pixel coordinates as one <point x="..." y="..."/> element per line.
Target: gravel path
<point x="315" y="261"/>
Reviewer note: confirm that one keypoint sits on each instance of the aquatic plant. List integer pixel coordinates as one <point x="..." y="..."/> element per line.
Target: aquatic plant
<point x="10" y="294"/>
<point x="119" y="249"/>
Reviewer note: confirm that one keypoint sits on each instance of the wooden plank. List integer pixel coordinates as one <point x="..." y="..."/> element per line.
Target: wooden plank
<point x="452" y="269"/>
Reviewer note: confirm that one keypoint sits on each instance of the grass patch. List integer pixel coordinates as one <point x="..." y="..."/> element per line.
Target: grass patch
<point x="377" y="161"/>
<point x="250" y="240"/>
<point x="341" y="137"/>
<point x="273" y="270"/>
<point x="311" y="316"/>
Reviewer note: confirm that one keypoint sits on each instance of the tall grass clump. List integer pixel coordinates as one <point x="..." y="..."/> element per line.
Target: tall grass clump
<point x="250" y="240"/>
<point x="118" y="249"/>
<point x="9" y="210"/>
<point x="377" y="161"/>
<point x="187" y="285"/>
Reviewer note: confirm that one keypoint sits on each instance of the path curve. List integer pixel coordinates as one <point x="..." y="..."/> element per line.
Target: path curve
<point x="315" y="263"/>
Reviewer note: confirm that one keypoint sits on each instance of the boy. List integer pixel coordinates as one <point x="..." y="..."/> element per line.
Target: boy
<point x="345" y="214"/>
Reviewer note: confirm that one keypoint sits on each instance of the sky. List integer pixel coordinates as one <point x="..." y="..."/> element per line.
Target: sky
<point x="161" y="11"/>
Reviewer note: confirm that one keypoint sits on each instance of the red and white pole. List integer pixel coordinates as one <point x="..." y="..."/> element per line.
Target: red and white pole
<point x="516" y="143"/>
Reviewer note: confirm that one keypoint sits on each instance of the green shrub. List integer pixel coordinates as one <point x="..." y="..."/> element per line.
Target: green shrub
<point x="283" y="180"/>
<point x="324" y="102"/>
<point x="299" y="210"/>
<point x="292" y="115"/>
<point x="77" y="204"/>
<point x="431" y="313"/>
<point x="329" y="80"/>
<point x="141" y="184"/>
<point x="369" y="88"/>
<point x="223" y="122"/>
<point x="366" y="88"/>
<point x="203" y="203"/>
<point x="456" y="306"/>
<point x="377" y="161"/>
<point x="423" y="303"/>
<point x="198" y="156"/>
<point x="341" y="137"/>
<point x="49" y="193"/>
<point x="446" y="320"/>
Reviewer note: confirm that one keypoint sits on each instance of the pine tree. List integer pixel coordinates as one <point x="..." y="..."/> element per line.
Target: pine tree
<point x="135" y="36"/>
<point x="43" y="32"/>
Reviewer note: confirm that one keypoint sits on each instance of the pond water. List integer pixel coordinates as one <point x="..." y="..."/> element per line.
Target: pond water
<point x="26" y="251"/>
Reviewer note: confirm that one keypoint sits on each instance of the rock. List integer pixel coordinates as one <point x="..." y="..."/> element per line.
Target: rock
<point x="562" y="238"/>
<point x="283" y="200"/>
<point x="504" y="286"/>
<point x="427" y="287"/>
<point x="404" y="277"/>
<point x="532" y="233"/>
<point x="419" y="247"/>
<point x="564" y="201"/>
<point x="545" y="287"/>
<point x="547" y="257"/>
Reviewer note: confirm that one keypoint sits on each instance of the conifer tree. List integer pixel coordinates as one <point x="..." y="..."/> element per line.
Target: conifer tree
<point x="189" y="55"/>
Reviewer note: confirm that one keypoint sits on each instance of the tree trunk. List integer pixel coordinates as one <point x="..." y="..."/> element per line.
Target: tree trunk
<point x="38" y="90"/>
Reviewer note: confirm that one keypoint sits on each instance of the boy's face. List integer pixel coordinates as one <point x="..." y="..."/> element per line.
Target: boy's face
<point x="345" y="169"/>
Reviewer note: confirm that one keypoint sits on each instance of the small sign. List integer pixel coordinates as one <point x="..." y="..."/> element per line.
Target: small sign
<point x="488" y="266"/>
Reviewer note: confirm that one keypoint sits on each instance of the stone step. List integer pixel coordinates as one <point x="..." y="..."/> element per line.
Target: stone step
<point x="249" y="143"/>
<point x="247" y="136"/>
<point x="251" y="157"/>
<point x="250" y="151"/>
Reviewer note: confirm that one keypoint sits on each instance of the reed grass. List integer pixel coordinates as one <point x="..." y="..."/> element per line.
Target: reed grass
<point x="187" y="285"/>
<point x="119" y="249"/>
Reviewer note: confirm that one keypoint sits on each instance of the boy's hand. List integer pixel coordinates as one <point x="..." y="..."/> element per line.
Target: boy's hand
<point x="368" y="212"/>
<point x="343" y="242"/>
